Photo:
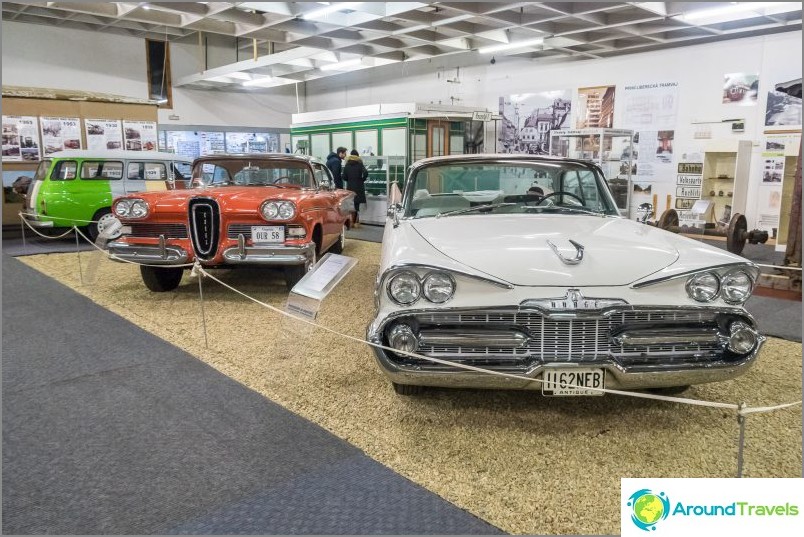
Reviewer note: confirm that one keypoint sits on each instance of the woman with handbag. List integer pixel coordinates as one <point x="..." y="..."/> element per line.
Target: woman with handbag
<point x="355" y="175"/>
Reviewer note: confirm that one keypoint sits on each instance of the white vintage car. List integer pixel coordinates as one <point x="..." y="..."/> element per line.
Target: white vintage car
<point x="523" y="265"/>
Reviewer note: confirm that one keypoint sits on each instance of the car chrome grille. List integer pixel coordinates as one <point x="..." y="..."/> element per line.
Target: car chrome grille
<point x="204" y="227"/>
<point x="170" y="231"/>
<point x="571" y="340"/>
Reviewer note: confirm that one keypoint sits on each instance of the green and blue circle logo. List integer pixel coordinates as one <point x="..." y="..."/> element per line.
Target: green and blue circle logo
<point x="648" y="508"/>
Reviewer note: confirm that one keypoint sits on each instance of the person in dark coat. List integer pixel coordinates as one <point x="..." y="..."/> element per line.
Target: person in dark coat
<point x="355" y="175"/>
<point x="334" y="165"/>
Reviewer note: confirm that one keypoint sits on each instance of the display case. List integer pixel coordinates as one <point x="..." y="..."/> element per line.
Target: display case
<point x="611" y="149"/>
<point x="384" y="173"/>
<point x="725" y="179"/>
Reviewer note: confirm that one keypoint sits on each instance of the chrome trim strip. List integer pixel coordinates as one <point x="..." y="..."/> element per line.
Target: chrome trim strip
<point x="746" y="264"/>
<point x="154" y="255"/>
<point x="668" y="336"/>
<point x="483" y="338"/>
<point x="270" y="255"/>
<point x="214" y="232"/>
<point x="578" y="252"/>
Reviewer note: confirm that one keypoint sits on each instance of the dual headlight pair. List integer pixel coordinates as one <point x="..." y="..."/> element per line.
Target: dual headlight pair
<point x="131" y="208"/>
<point x="278" y="210"/>
<point x="734" y="286"/>
<point x="406" y="287"/>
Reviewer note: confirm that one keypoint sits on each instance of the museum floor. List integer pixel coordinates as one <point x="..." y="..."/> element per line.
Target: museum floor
<point x="515" y="460"/>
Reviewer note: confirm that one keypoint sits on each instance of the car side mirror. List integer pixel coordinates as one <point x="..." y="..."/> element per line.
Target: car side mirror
<point x="393" y="212"/>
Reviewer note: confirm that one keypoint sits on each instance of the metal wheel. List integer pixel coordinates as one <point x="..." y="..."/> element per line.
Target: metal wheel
<point x="735" y="235"/>
<point x="669" y="219"/>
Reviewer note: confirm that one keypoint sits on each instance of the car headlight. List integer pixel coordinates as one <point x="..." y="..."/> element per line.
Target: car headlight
<point x="278" y="210"/>
<point x="438" y="287"/>
<point x="131" y="208"/>
<point x="704" y="286"/>
<point x="404" y="288"/>
<point x="736" y="286"/>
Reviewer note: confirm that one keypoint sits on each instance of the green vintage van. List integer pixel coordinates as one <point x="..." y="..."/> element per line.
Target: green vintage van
<point x="76" y="188"/>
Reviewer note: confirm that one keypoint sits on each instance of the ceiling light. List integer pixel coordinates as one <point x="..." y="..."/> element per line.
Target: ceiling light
<point x="256" y="81"/>
<point x="332" y="8"/>
<point x="239" y="75"/>
<point x="732" y="9"/>
<point x="146" y="7"/>
<point x="452" y="19"/>
<point x="511" y="46"/>
<point x="341" y="65"/>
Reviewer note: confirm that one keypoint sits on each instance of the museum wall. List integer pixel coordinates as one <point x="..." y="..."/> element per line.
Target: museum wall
<point x="52" y="57"/>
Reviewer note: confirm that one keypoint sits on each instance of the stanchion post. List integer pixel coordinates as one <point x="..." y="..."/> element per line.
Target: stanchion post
<point x="24" y="243"/>
<point x="201" y="301"/>
<point x="741" y="439"/>
<point x="78" y="254"/>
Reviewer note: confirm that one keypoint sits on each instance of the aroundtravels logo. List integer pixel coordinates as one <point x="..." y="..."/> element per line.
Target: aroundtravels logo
<point x="648" y="508"/>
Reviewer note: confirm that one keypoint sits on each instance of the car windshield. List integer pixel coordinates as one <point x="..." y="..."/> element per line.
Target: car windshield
<point x="476" y="188"/>
<point x="253" y="172"/>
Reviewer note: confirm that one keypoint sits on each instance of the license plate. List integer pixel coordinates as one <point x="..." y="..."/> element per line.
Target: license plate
<point x="267" y="234"/>
<point x="573" y="381"/>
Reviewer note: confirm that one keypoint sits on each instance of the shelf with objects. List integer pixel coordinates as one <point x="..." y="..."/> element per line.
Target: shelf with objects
<point x="611" y="149"/>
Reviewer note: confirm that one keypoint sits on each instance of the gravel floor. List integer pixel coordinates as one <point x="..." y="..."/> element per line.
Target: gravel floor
<point x="515" y="459"/>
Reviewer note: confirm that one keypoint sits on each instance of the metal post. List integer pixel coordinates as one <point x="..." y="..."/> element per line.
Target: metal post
<point x="24" y="243"/>
<point x="203" y="316"/>
<point x="741" y="440"/>
<point x="78" y="254"/>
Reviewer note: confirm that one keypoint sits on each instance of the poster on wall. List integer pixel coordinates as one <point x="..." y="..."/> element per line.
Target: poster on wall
<point x="595" y="107"/>
<point x="103" y="134"/>
<point x="773" y="159"/>
<point x="251" y="142"/>
<point x="140" y="135"/>
<point x="528" y="119"/>
<point x="20" y="139"/>
<point x="782" y="110"/>
<point x="60" y="133"/>
<point x="212" y="142"/>
<point x="650" y="105"/>
<point x="740" y="88"/>
<point x="654" y="174"/>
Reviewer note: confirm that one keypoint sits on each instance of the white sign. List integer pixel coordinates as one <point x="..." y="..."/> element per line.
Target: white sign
<point x="103" y="134"/>
<point x="326" y="274"/>
<point x="482" y="116"/>
<point x="60" y="133"/>
<point x="718" y="506"/>
<point x="651" y="105"/>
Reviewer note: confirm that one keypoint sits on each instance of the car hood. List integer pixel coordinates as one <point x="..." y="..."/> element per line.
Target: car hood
<point x="515" y="248"/>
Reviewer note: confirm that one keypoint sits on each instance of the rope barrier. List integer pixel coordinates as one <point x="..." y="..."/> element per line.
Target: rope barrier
<point x="60" y="218"/>
<point x="198" y="270"/>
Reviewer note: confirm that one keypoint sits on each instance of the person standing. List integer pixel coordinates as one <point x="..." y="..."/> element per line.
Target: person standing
<point x="334" y="164"/>
<point x="355" y="175"/>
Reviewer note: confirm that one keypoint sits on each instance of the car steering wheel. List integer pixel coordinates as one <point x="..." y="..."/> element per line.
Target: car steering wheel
<point x="278" y="179"/>
<point x="557" y="192"/>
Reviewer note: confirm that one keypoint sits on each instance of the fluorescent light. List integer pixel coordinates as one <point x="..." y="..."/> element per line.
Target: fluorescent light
<point x="727" y="10"/>
<point x="512" y="46"/>
<point x="257" y="81"/>
<point x="341" y="65"/>
<point x="332" y="8"/>
<point x="452" y="19"/>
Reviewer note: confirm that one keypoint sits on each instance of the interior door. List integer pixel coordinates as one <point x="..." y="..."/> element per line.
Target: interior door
<point x="437" y="138"/>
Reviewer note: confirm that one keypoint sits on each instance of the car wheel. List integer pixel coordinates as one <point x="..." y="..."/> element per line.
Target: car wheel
<point x="161" y="279"/>
<point x="339" y="245"/>
<point x="669" y="390"/>
<point x="407" y="389"/>
<point x="294" y="273"/>
<point x="102" y="220"/>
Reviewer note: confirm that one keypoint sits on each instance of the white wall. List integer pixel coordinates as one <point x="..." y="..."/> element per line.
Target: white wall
<point x="53" y="57"/>
<point x="698" y="69"/>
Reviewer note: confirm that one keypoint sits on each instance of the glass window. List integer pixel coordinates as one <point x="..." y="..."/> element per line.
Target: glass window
<point x="255" y="172"/>
<point x="159" y="83"/>
<point x="101" y="169"/>
<point x="41" y="170"/>
<point x="322" y="177"/>
<point x="147" y="171"/>
<point x="64" y="171"/>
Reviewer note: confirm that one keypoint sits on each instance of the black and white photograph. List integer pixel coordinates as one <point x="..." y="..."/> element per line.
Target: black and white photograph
<point x="782" y="110"/>
<point x="529" y="118"/>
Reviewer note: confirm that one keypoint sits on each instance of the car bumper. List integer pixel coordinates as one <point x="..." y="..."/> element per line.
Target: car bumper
<point x="34" y="221"/>
<point x="269" y="255"/>
<point x="617" y="375"/>
<point x="160" y="254"/>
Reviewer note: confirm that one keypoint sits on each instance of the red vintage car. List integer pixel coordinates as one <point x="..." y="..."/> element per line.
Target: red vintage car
<point x="254" y="209"/>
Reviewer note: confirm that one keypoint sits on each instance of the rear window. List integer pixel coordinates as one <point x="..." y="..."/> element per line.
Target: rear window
<point x="102" y="169"/>
<point x="64" y="170"/>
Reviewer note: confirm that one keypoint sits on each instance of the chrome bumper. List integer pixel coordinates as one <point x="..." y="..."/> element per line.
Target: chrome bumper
<point x="657" y="375"/>
<point x="34" y="221"/>
<point x="269" y="255"/>
<point x="160" y="254"/>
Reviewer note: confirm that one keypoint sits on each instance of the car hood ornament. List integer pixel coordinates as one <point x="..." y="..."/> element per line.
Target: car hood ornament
<point x="568" y="261"/>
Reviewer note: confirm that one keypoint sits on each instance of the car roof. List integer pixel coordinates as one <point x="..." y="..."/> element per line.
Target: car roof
<point x="118" y="154"/>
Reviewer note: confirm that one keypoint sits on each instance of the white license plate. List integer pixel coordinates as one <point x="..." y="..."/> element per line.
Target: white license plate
<point x="573" y="381"/>
<point x="267" y="234"/>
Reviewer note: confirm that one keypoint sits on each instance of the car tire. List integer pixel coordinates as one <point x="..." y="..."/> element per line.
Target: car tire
<point x="161" y="279"/>
<point x="339" y="245"/>
<point x="407" y="389"/>
<point x="669" y="390"/>
<point x="99" y="221"/>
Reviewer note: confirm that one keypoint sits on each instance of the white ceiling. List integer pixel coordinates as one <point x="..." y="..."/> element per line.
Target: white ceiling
<point x="296" y="41"/>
